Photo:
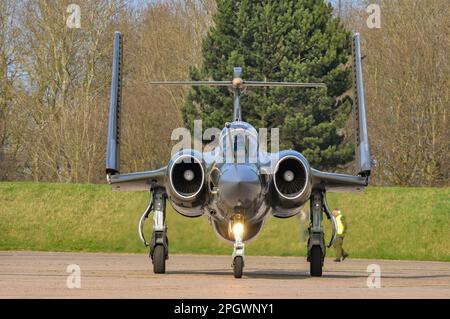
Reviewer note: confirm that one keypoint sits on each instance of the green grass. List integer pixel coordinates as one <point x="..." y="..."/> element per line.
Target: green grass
<point x="388" y="222"/>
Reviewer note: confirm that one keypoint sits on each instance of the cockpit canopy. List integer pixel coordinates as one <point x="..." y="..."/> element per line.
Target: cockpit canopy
<point x="239" y="143"/>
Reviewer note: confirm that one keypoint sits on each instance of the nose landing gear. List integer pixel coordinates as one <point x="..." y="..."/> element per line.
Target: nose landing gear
<point x="238" y="259"/>
<point x="238" y="251"/>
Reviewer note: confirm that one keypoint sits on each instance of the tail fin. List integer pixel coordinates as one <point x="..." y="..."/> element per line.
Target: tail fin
<point x="363" y="159"/>
<point x="112" y="148"/>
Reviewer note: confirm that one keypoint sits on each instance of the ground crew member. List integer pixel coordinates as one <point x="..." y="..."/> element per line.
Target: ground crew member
<point x="341" y="231"/>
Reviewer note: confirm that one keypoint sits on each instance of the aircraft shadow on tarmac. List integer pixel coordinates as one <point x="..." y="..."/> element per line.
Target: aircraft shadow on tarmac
<point x="295" y="275"/>
<point x="247" y="274"/>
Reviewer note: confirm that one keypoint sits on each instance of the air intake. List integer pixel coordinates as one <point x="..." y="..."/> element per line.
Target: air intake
<point x="290" y="177"/>
<point x="187" y="177"/>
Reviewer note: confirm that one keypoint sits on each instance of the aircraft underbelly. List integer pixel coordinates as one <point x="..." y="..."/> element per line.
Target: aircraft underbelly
<point x="251" y="230"/>
<point x="254" y="222"/>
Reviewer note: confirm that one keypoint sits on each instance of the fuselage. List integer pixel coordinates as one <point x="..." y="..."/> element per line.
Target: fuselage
<point x="235" y="178"/>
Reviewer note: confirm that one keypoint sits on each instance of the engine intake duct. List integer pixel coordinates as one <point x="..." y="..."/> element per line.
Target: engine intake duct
<point x="290" y="177"/>
<point x="187" y="176"/>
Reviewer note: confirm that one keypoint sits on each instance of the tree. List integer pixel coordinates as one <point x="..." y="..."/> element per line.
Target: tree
<point x="9" y="47"/>
<point x="55" y="83"/>
<point x="407" y="83"/>
<point x="66" y="74"/>
<point x="286" y="40"/>
<point x="164" y="41"/>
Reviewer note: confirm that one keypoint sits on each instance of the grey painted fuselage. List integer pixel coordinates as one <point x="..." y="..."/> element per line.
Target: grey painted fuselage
<point x="239" y="182"/>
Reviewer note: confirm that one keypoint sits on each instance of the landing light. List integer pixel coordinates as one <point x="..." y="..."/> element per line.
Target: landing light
<point x="238" y="229"/>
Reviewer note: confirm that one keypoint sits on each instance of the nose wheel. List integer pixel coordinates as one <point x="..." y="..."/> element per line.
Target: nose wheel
<point x="238" y="266"/>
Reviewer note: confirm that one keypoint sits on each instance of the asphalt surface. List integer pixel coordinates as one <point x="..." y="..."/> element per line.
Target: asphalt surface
<point x="44" y="275"/>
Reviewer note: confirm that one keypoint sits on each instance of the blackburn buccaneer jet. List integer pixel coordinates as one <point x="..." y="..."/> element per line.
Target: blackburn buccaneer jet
<point x="238" y="185"/>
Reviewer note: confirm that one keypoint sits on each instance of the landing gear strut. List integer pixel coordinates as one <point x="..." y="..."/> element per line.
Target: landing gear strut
<point x="316" y="242"/>
<point x="238" y="258"/>
<point x="159" y="244"/>
<point x="238" y="251"/>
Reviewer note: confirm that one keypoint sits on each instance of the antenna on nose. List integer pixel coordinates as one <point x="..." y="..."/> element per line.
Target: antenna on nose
<point x="237" y="85"/>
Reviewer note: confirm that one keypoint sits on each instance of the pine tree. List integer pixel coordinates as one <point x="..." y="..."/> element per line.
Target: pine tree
<point x="279" y="40"/>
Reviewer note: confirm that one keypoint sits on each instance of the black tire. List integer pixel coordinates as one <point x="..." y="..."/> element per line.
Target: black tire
<point x="238" y="266"/>
<point x="159" y="260"/>
<point x="315" y="261"/>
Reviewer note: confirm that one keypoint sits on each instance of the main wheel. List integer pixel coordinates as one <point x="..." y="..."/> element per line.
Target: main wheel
<point x="238" y="266"/>
<point x="315" y="261"/>
<point x="159" y="260"/>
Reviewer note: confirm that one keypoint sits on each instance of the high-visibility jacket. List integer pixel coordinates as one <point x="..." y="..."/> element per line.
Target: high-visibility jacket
<point x="341" y="225"/>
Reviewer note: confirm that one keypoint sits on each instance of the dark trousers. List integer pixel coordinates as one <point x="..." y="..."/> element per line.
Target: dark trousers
<point x="338" y="246"/>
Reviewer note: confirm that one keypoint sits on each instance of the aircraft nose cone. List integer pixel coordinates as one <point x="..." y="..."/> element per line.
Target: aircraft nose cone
<point x="239" y="185"/>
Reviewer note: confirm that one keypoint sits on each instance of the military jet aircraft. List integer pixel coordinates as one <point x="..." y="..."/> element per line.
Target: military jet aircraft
<point x="237" y="185"/>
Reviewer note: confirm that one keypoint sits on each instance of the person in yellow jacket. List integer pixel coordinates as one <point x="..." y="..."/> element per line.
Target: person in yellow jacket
<point x="341" y="254"/>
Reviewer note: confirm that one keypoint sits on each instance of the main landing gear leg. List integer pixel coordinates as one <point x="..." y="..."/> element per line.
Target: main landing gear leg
<point x="316" y="242"/>
<point x="159" y="245"/>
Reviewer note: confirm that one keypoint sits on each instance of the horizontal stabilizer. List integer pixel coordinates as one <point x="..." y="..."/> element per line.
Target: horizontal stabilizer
<point x="241" y="84"/>
<point x="193" y="83"/>
<point x="284" y="84"/>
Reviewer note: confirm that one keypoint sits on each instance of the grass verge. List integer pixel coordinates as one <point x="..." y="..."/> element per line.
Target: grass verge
<point x="384" y="222"/>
